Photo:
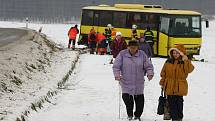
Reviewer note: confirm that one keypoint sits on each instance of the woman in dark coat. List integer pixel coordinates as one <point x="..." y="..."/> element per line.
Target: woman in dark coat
<point x="144" y="46"/>
<point x="117" y="45"/>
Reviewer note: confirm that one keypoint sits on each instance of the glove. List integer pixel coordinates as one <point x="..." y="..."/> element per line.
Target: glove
<point x="118" y="78"/>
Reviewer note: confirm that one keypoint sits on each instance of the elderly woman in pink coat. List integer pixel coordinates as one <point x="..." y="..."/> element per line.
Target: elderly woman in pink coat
<point x="129" y="68"/>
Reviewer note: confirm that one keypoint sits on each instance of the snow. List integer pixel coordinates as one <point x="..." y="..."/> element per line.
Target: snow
<point x="95" y="97"/>
<point x="207" y="49"/>
<point x="56" y="32"/>
<point x="90" y="97"/>
<point x="92" y="94"/>
<point x="50" y="67"/>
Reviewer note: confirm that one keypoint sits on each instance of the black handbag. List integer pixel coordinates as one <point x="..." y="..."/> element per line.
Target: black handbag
<point x="161" y="103"/>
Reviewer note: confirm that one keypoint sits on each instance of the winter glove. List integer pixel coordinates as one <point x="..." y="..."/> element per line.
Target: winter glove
<point x="184" y="57"/>
<point x="149" y="77"/>
<point x="118" y="78"/>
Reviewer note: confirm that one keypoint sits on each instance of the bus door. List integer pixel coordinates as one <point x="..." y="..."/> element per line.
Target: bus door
<point x="163" y="40"/>
<point x="153" y="22"/>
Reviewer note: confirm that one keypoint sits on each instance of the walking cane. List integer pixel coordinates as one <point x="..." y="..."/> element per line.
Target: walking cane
<point x="119" y="102"/>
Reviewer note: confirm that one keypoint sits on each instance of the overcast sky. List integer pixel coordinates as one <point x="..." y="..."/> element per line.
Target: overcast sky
<point x="67" y="8"/>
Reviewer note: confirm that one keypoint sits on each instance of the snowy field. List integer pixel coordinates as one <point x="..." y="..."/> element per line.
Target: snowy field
<point x="208" y="44"/>
<point x="56" y="32"/>
<point x="92" y="94"/>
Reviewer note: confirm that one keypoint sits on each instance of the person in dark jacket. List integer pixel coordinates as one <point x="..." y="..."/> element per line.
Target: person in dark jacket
<point x="92" y="40"/>
<point x="134" y="32"/>
<point x="107" y="34"/>
<point x="144" y="46"/>
<point x="129" y="68"/>
<point x="72" y="33"/>
<point x="117" y="45"/>
<point x="148" y="34"/>
<point x="149" y="37"/>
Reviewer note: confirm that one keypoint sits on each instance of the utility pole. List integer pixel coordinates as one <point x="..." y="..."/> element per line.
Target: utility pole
<point x="26" y="20"/>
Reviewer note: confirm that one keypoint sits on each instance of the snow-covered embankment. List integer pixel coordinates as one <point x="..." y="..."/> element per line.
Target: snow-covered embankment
<point x="31" y="70"/>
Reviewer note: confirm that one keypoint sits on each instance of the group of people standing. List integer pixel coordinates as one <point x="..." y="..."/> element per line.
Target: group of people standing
<point x="111" y="41"/>
<point x="132" y="63"/>
<point x="99" y="42"/>
<point x="119" y="43"/>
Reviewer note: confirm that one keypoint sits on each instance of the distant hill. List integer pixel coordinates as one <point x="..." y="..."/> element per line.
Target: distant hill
<point x="66" y="10"/>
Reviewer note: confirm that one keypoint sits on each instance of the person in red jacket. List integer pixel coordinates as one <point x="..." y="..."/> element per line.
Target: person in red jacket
<point x="72" y="33"/>
<point x="92" y="40"/>
<point x="117" y="45"/>
<point x="102" y="44"/>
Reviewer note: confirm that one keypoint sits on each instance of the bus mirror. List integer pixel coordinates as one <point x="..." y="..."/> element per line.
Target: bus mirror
<point x="207" y="23"/>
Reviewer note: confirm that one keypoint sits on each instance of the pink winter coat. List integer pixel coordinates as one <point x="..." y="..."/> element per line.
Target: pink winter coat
<point x="133" y="70"/>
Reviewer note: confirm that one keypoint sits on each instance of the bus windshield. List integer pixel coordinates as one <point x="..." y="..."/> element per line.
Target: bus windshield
<point x="185" y="26"/>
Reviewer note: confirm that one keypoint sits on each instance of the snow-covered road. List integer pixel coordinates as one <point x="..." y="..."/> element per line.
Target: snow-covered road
<point x="8" y="35"/>
<point x="92" y="94"/>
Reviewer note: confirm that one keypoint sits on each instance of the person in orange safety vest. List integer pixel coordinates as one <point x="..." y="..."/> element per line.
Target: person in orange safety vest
<point x="72" y="33"/>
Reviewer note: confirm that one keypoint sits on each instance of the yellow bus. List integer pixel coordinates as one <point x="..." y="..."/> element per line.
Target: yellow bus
<point x="170" y="26"/>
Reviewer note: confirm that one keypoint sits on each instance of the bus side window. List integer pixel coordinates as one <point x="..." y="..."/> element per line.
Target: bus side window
<point x="151" y="21"/>
<point x="96" y="18"/>
<point x="134" y="18"/>
<point x="87" y="17"/>
<point x="119" y="19"/>
<point x="105" y="18"/>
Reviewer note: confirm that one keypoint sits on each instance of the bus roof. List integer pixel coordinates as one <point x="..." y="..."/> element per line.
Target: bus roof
<point x="140" y="8"/>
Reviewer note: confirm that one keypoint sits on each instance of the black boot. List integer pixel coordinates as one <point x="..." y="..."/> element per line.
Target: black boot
<point x="137" y="118"/>
<point x="130" y="118"/>
<point x="68" y="45"/>
<point x="92" y="51"/>
<point x="111" y="61"/>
